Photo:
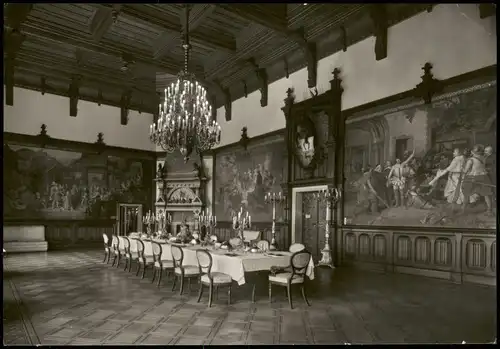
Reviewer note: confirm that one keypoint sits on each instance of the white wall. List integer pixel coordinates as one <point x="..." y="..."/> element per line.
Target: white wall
<point x="31" y="109"/>
<point x="452" y="37"/>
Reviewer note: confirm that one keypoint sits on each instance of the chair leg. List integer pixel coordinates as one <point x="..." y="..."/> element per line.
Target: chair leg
<point x="303" y="289"/>
<point x="200" y="293"/>
<point x="118" y="261"/>
<point x="229" y="295"/>
<point x="143" y="271"/>
<point x="109" y="256"/>
<point x="253" y="293"/>
<point x="130" y="265"/>
<point x="216" y="293"/>
<point x="154" y="275"/>
<point x="114" y="260"/>
<point x="289" y="293"/>
<point x="270" y="292"/>
<point x="182" y="285"/>
<point x="138" y="268"/>
<point x="189" y="285"/>
<point x="210" y="294"/>
<point x="105" y="256"/>
<point x="175" y="281"/>
<point x="126" y="264"/>
<point x="159" y="277"/>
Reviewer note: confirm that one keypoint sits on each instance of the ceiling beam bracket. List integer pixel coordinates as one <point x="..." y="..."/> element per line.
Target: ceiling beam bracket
<point x="245" y="88"/>
<point x="343" y="33"/>
<point x="213" y="102"/>
<point x="486" y="10"/>
<point x="43" y="83"/>
<point x="99" y="97"/>
<point x="74" y="94"/>
<point x="310" y="53"/>
<point x="227" y="99"/>
<point x="124" y="106"/>
<point x="287" y="68"/>
<point x="262" y="79"/>
<point x="379" y="16"/>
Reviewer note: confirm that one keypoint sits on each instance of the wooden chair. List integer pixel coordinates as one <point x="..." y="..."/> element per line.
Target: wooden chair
<point x="251" y="235"/>
<point x="107" y="250"/>
<point x="121" y="250"/>
<point x="115" y="245"/>
<point x="263" y="245"/>
<point x="210" y="279"/>
<point x="130" y="249"/>
<point x="142" y="259"/>
<point x="183" y="271"/>
<point x="159" y="263"/>
<point x="299" y="262"/>
<point x="296" y="247"/>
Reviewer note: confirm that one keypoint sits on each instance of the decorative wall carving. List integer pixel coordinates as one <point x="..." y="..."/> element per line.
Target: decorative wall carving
<point x="461" y="257"/>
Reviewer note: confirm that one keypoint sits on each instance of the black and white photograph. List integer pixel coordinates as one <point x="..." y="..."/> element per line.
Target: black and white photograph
<point x="249" y="174"/>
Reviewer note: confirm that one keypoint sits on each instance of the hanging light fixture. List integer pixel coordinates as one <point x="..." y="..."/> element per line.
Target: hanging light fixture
<point x="185" y="116"/>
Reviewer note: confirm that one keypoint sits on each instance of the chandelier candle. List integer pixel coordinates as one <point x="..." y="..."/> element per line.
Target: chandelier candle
<point x="273" y="198"/>
<point x="241" y="221"/>
<point x="185" y="116"/>
<point x="208" y="221"/>
<point x="149" y="219"/>
<point x="331" y="197"/>
<point x="164" y="219"/>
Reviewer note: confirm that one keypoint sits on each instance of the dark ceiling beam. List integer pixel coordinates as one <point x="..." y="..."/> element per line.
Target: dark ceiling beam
<point x="16" y="14"/>
<point x="486" y="10"/>
<point x="74" y="94"/>
<point x="102" y="21"/>
<point x="221" y="43"/>
<point x="271" y="16"/>
<point x="25" y="84"/>
<point x="13" y="41"/>
<point x="380" y="18"/>
<point x="227" y="100"/>
<point x="310" y="53"/>
<point x="198" y="13"/>
<point x="47" y="31"/>
<point x="68" y="69"/>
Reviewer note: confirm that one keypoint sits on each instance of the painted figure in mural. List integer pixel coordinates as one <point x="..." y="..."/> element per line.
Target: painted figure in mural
<point x="476" y="179"/>
<point x="397" y="178"/>
<point x="453" y="190"/>
<point x="55" y="195"/>
<point x="491" y="165"/>
<point x="389" y="192"/>
<point x="74" y="197"/>
<point x="66" y="201"/>
<point x="371" y="191"/>
<point x="84" y="203"/>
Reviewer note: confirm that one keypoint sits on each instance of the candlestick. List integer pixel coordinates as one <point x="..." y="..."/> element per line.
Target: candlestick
<point x="241" y="221"/>
<point x="331" y="197"/>
<point x="273" y="198"/>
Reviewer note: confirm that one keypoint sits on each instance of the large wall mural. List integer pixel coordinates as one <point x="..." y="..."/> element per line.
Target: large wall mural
<point x="243" y="177"/>
<point x="58" y="184"/>
<point x="424" y="165"/>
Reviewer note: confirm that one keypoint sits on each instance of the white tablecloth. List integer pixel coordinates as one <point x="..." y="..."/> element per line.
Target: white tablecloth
<point x="235" y="266"/>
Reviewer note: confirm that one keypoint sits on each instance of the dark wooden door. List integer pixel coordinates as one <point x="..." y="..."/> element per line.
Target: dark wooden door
<point x="313" y="224"/>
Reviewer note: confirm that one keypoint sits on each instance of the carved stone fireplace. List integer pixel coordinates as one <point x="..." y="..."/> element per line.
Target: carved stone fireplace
<point x="183" y="198"/>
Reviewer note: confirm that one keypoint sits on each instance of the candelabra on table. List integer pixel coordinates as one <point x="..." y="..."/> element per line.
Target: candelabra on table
<point x="273" y="198"/>
<point x="210" y="222"/>
<point x="149" y="219"/>
<point x="331" y="197"/>
<point x="164" y="220"/>
<point x="241" y="221"/>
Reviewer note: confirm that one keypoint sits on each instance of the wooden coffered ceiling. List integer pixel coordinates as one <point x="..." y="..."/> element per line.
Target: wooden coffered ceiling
<point x="121" y="54"/>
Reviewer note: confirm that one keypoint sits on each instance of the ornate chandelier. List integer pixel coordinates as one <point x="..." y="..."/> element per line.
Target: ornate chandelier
<point x="185" y="117"/>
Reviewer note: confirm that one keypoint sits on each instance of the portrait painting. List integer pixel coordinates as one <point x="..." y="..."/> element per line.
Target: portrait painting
<point x="305" y="141"/>
<point x="45" y="183"/>
<point x="424" y="165"/>
<point x="243" y="177"/>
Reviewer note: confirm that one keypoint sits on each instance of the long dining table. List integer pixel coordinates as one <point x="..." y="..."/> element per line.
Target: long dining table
<point x="234" y="263"/>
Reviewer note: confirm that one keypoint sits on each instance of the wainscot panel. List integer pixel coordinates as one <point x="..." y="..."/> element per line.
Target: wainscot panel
<point x="460" y="257"/>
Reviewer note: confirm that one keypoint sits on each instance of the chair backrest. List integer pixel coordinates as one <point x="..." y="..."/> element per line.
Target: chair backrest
<point x="251" y="235"/>
<point x="140" y="248"/>
<point x="121" y="243"/>
<point x="263" y="245"/>
<point x="204" y="261"/>
<point x="157" y="251"/>
<point x="126" y="244"/>
<point x="132" y="244"/>
<point x="177" y="255"/>
<point x="296" y="247"/>
<point x="115" y="242"/>
<point x="300" y="260"/>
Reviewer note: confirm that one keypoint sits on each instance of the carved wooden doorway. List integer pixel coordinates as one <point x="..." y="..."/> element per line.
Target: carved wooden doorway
<point x="308" y="221"/>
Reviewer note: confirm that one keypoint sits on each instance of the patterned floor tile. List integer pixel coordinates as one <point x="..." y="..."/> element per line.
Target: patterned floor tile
<point x="72" y="298"/>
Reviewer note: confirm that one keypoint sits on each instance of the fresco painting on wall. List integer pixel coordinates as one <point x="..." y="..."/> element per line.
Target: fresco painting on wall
<point x="424" y="165"/>
<point x="58" y="184"/>
<point x="242" y="178"/>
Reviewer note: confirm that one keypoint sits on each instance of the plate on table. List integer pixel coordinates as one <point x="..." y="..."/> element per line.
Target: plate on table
<point x="274" y="254"/>
<point x="230" y="254"/>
